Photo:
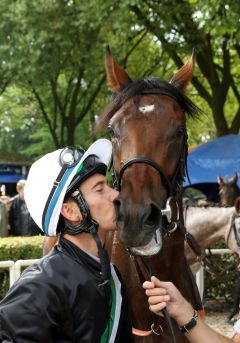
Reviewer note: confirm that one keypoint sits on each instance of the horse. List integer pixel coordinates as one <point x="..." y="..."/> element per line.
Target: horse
<point x="209" y="225"/>
<point x="228" y="190"/>
<point x="147" y="123"/>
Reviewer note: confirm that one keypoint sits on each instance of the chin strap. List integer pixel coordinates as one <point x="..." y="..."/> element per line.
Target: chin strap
<point x="89" y="225"/>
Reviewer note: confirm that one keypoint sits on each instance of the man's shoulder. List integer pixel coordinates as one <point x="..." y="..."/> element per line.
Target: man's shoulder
<point x="14" y="200"/>
<point x="47" y="270"/>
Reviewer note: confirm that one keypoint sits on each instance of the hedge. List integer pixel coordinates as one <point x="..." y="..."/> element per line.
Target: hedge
<point x="20" y="248"/>
<point x="17" y="248"/>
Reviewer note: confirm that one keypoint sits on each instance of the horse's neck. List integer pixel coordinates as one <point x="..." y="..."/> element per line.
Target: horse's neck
<point x="208" y="224"/>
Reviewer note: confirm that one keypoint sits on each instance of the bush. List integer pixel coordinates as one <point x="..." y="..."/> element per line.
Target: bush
<point x="17" y="248"/>
<point x="221" y="276"/>
<point x="20" y="248"/>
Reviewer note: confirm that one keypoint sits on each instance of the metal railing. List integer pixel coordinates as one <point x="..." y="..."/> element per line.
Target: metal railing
<point x="15" y="268"/>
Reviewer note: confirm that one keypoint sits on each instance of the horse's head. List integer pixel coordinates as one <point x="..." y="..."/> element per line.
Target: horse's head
<point x="147" y="123"/>
<point x="228" y="190"/>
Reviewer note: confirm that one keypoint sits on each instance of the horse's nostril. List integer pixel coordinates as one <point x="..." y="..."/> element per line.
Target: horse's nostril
<point x="119" y="209"/>
<point x="154" y="216"/>
<point x="117" y="203"/>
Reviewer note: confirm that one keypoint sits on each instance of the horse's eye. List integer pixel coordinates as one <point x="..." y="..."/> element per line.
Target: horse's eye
<point x="181" y="132"/>
<point x="110" y="130"/>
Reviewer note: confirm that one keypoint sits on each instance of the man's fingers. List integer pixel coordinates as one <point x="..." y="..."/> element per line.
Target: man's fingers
<point x="156" y="291"/>
<point x="158" y="283"/>
<point x="157" y="308"/>
<point x="148" y="285"/>
<point x="153" y="300"/>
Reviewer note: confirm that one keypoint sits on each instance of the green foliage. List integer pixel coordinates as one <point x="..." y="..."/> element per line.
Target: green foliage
<point x="17" y="248"/>
<point x="220" y="274"/>
<point x="52" y="70"/>
<point x="221" y="277"/>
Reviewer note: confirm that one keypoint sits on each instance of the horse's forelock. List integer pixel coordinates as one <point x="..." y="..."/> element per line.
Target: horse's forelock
<point x="147" y="85"/>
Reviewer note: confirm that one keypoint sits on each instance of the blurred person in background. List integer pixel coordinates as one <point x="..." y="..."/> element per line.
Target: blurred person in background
<point x="4" y="207"/>
<point x="20" y="221"/>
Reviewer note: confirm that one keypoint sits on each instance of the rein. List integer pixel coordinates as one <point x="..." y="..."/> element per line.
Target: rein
<point x="149" y="269"/>
<point x="234" y="228"/>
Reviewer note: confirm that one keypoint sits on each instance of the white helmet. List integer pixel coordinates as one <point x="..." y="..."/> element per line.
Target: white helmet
<point x="54" y="175"/>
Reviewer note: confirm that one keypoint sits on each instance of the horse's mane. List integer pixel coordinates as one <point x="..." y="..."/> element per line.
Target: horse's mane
<point x="148" y="85"/>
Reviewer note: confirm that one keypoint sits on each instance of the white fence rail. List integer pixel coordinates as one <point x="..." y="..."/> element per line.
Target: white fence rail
<point x="15" y="268"/>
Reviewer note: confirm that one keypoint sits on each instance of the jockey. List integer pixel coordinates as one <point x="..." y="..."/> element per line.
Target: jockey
<point x="74" y="294"/>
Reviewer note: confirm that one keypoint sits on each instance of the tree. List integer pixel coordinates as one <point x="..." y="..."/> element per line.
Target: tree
<point x="52" y="51"/>
<point x="213" y="31"/>
<point x="56" y="50"/>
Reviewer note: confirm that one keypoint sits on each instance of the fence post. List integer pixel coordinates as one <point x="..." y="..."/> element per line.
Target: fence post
<point x="200" y="280"/>
<point x="10" y="265"/>
<point x="22" y="263"/>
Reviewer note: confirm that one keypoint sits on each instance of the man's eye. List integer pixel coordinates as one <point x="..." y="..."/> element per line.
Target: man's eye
<point x="99" y="190"/>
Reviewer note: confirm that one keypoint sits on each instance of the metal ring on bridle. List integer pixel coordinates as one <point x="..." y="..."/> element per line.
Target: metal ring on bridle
<point x="167" y="211"/>
<point x="155" y="330"/>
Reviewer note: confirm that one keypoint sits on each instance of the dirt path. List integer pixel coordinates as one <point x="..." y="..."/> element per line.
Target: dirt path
<point x="216" y="314"/>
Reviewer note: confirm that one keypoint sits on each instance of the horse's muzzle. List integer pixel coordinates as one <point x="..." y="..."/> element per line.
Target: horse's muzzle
<point x="152" y="248"/>
<point x="138" y="224"/>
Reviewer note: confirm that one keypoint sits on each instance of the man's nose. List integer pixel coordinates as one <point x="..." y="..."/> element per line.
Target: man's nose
<point x="114" y="194"/>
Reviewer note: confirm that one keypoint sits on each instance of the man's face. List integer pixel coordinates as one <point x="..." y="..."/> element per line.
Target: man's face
<point x="99" y="197"/>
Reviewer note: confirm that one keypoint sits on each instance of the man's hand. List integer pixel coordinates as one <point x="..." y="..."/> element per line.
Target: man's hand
<point x="163" y="294"/>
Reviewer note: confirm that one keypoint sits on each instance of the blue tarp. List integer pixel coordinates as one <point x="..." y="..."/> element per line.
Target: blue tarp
<point x="12" y="173"/>
<point x="11" y="178"/>
<point x="220" y="157"/>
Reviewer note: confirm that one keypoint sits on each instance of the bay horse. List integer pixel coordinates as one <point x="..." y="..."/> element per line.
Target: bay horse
<point x="147" y="123"/>
<point x="228" y="190"/>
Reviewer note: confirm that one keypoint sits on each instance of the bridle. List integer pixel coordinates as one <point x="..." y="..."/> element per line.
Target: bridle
<point x="234" y="228"/>
<point x="172" y="185"/>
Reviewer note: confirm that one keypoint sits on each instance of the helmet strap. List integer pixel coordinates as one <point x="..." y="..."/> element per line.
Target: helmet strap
<point x="89" y="225"/>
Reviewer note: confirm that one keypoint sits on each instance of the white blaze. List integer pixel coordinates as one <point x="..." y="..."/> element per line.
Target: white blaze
<point x="147" y="108"/>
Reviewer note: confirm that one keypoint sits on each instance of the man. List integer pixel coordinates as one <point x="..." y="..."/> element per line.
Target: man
<point x="165" y="294"/>
<point x="73" y="294"/>
<point x="20" y="221"/>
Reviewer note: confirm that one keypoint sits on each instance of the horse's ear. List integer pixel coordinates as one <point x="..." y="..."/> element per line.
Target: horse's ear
<point x="235" y="178"/>
<point x="184" y="75"/>
<point x="220" y="180"/>
<point x="117" y="77"/>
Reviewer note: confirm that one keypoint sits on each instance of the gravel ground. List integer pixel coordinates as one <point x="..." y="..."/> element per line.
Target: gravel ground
<point x="216" y="314"/>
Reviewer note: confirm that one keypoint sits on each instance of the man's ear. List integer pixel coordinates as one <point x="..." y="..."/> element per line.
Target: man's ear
<point x="70" y="211"/>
